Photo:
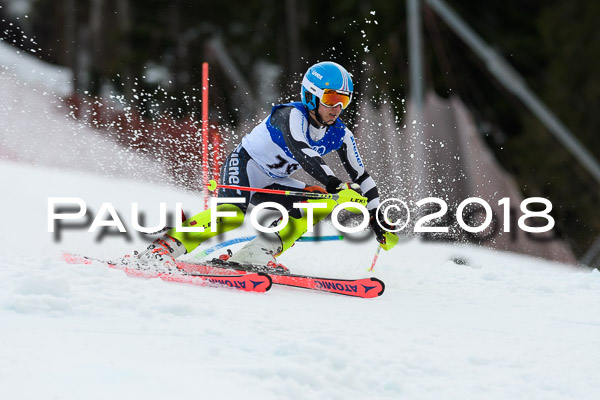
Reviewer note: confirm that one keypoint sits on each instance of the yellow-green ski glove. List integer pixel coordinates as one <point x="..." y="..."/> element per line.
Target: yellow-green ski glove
<point x="387" y="240"/>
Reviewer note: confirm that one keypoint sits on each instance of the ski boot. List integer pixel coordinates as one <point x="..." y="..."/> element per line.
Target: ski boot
<point x="258" y="256"/>
<point x="160" y="255"/>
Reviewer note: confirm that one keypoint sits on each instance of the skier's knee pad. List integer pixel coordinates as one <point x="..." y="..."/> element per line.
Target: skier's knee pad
<point x="232" y="220"/>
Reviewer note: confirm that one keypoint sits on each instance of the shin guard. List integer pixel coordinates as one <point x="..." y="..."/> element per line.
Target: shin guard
<point x="191" y="240"/>
<point x="296" y="227"/>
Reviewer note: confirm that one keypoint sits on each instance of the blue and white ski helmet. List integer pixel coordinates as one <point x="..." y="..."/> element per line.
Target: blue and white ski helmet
<point x="324" y="76"/>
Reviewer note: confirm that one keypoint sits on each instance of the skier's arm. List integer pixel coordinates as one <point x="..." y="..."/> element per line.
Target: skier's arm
<point x="354" y="166"/>
<point x="293" y="125"/>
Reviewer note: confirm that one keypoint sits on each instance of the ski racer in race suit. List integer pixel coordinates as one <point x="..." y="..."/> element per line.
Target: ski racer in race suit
<point x="295" y="135"/>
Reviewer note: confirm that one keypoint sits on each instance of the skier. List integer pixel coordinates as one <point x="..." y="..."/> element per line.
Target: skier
<point x="295" y="135"/>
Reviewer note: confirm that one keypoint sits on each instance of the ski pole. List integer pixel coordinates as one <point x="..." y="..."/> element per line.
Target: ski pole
<point x="213" y="185"/>
<point x="375" y="258"/>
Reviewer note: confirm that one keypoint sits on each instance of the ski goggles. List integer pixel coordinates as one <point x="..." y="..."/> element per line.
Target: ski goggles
<point x="331" y="98"/>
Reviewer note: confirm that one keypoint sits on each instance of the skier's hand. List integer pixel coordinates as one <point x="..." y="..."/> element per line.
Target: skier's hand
<point x="335" y="185"/>
<point x="315" y="189"/>
<point x="382" y="229"/>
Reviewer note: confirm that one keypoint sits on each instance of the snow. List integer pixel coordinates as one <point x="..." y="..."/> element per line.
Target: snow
<point x="501" y="326"/>
<point x="30" y="71"/>
<point x="491" y="325"/>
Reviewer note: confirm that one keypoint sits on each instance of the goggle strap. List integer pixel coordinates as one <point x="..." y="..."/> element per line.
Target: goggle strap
<point x="311" y="87"/>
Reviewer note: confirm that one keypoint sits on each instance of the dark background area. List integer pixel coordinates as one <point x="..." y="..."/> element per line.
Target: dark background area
<point x="118" y="46"/>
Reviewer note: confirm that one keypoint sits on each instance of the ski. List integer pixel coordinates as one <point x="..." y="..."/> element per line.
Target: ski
<point x="232" y="275"/>
<point x="365" y="288"/>
<point x="250" y="282"/>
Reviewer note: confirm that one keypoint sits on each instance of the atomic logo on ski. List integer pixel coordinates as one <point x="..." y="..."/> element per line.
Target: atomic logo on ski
<point x="230" y="283"/>
<point x="367" y="288"/>
<point x="256" y="284"/>
<point x="337" y="286"/>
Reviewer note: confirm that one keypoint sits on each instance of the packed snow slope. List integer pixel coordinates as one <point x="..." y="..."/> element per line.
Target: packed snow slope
<point x="500" y="326"/>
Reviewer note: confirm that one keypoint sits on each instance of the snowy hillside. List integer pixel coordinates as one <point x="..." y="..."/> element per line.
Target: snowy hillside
<point x="500" y="327"/>
<point x="35" y="126"/>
